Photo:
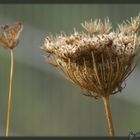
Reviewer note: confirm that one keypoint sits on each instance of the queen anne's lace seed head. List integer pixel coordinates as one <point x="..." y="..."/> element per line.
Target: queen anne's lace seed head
<point x="9" y="37"/>
<point x="100" y="60"/>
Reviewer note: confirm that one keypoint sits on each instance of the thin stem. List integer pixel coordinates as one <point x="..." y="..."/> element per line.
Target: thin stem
<point x="10" y="94"/>
<point x="108" y="115"/>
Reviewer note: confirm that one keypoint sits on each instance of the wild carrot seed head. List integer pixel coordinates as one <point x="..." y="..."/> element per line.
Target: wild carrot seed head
<point x="98" y="61"/>
<point x="10" y="36"/>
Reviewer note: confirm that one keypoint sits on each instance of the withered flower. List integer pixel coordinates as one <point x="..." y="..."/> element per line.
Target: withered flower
<point x="100" y="60"/>
<point x="9" y="38"/>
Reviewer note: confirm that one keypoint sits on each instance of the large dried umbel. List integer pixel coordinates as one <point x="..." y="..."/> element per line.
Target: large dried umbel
<point x="100" y="60"/>
<point x="98" y="63"/>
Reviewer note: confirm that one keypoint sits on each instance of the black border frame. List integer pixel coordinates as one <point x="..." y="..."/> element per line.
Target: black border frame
<point x="69" y="2"/>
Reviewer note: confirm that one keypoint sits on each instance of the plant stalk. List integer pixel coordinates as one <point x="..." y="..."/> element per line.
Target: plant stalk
<point x="10" y="93"/>
<point x="108" y="115"/>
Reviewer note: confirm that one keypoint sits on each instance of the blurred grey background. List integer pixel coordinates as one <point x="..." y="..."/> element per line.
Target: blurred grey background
<point x="43" y="102"/>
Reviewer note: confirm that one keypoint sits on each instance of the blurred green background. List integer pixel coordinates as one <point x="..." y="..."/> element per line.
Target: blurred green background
<point x="43" y="102"/>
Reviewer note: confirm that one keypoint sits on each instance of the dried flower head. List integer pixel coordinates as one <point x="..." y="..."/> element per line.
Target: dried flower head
<point x="98" y="61"/>
<point x="10" y="36"/>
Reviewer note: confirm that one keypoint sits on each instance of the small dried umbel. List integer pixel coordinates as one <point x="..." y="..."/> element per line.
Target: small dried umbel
<point x="10" y="36"/>
<point x="100" y="60"/>
<point x="9" y="39"/>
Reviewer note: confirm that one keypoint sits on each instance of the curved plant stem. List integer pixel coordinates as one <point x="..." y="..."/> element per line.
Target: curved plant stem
<point x="10" y="94"/>
<point x="108" y="115"/>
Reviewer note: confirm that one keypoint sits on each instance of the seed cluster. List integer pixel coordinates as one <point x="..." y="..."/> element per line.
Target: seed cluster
<point x="81" y="44"/>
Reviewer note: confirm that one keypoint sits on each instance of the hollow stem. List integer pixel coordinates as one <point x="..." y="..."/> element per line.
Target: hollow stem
<point x="10" y="93"/>
<point x="108" y="115"/>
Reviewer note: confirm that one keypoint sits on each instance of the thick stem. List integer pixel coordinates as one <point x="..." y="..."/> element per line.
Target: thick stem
<point x="108" y="115"/>
<point x="10" y="94"/>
